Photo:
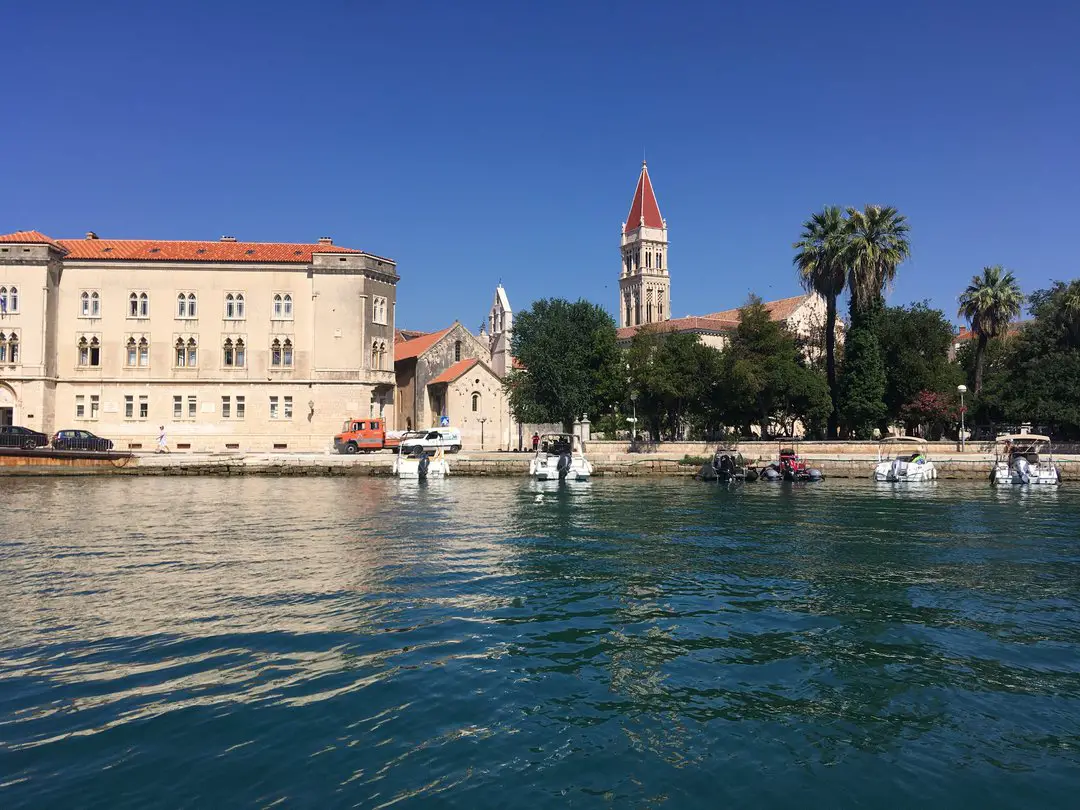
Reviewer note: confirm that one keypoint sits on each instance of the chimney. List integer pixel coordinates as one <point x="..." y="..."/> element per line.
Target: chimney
<point x="325" y="240"/>
<point x="91" y="235"/>
<point x="228" y="239"/>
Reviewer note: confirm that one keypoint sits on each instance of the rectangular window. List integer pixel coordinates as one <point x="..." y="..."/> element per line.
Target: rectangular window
<point x="226" y="407"/>
<point x="192" y="406"/>
<point x="239" y="407"/>
<point x="178" y="407"/>
<point x="129" y="406"/>
<point x="94" y="402"/>
<point x="80" y="406"/>
<point x="287" y="407"/>
<point x="273" y="407"/>
<point x="144" y="406"/>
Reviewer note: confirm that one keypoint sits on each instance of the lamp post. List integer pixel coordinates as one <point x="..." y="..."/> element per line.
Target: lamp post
<point x="482" y="420"/>
<point x="963" y="390"/>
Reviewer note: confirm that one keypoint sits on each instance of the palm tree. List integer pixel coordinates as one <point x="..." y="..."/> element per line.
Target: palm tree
<point x="990" y="303"/>
<point x="820" y="259"/>
<point x="877" y="242"/>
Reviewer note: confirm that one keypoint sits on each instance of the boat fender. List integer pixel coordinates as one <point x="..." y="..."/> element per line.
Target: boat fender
<point x="422" y="468"/>
<point x="563" y="465"/>
<point x="815" y="475"/>
<point x="770" y="473"/>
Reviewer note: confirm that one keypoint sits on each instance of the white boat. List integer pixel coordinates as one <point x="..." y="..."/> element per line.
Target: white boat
<point x="559" y="456"/>
<point x="1024" y="459"/>
<point x="903" y="458"/>
<point x="421" y="464"/>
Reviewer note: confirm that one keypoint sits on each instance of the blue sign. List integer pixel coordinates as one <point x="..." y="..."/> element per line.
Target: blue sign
<point x="444" y="421"/>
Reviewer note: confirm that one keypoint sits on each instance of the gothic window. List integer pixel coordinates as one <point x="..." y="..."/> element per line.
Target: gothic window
<point x="457" y="350"/>
<point x="3" y="348"/>
<point x="277" y="305"/>
<point x="181" y="354"/>
<point x="133" y="305"/>
<point x="375" y="359"/>
<point x="648" y="258"/>
<point x="89" y="352"/>
<point x="9" y="299"/>
<point x="234" y="306"/>
<point x="660" y="307"/>
<point x="144" y="305"/>
<point x="282" y="307"/>
<point x="13" y="348"/>
<point x="185" y="305"/>
<point x="191" y="305"/>
<point x="144" y="352"/>
<point x="229" y="349"/>
<point x="659" y="260"/>
<point x="132" y="352"/>
<point x="287" y="303"/>
<point x="648" y="307"/>
<point x="275" y="353"/>
<point x="286" y="353"/>
<point x="84" y="304"/>
<point x="475" y="402"/>
<point x="378" y="309"/>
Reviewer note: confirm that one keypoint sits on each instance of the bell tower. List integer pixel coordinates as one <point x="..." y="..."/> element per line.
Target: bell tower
<point x="644" y="285"/>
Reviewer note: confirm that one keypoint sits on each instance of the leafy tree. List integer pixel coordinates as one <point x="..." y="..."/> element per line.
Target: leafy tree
<point x="820" y="257"/>
<point x="930" y="410"/>
<point x="990" y="302"/>
<point x="673" y="376"/>
<point x="570" y="359"/>
<point x="862" y="382"/>
<point x="764" y="376"/>
<point x="914" y="343"/>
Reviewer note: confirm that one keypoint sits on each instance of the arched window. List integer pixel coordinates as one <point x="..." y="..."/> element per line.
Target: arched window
<point x="181" y="353"/>
<point x="659" y="260"/>
<point x="659" y="307"/>
<point x="181" y="306"/>
<point x="191" y="305"/>
<point x="275" y="353"/>
<point x="132" y="352"/>
<point x="239" y="305"/>
<point x="286" y="353"/>
<point x="144" y="305"/>
<point x="277" y="305"/>
<point x="376" y="360"/>
<point x="230" y="352"/>
<point x="230" y="306"/>
<point x="287" y="305"/>
<point x="475" y="402"/>
<point x="3" y="348"/>
<point x="95" y="352"/>
<point x="3" y="299"/>
<point x="240" y="355"/>
<point x="13" y="299"/>
<point x="84" y="304"/>
<point x="133" y="305"/>
<point x="95" y="304"/>
<point x="144" y="352"/>
<point x="192" y="352"/>
<point x="13" y="348"/>
<point x="457" y="350"/>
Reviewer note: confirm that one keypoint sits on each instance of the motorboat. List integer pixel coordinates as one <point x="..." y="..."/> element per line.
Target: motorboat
<point x="559" y="456"/>
<point x="790" y="467"/>
<point x="903" y="458"/>
<point x="726" y="465"/>
<point x="421" y="463"/>
<point x="1024" y="459"/>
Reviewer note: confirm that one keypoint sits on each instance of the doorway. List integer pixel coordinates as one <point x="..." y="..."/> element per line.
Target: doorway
<point x="7" y="417"/>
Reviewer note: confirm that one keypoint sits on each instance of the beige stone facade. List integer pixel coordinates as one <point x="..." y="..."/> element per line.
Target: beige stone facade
<point x="229" y="345"/>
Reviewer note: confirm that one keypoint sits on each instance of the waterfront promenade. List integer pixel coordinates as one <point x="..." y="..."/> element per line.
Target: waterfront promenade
<point x="610" y="459"/>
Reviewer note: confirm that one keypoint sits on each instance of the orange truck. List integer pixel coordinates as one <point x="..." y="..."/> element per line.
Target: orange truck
<point x="365" y="435"/>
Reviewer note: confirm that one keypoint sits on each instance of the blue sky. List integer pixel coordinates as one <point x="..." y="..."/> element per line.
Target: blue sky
<point x="474" y="142"/>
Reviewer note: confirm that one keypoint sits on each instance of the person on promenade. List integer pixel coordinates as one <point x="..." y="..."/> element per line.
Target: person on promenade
<point x="536" y="441"/>
<point x="162" y="441"/>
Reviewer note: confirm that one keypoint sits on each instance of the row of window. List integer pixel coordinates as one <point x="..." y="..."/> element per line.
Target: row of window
<point x="184" y="407"/>
<point x="634" y="258"/>
<point x="9" y="347"/>
<point x="187" y="305"/>
<point x="185" y="354"/>
<point x="9" y="300"/>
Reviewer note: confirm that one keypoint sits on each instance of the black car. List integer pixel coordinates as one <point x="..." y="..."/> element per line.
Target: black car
<point x="27" y="439"/>
<point x="80" y="440"/>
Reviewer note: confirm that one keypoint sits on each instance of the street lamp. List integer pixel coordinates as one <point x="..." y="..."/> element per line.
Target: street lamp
<point x="482" y="420"/>
<point x="963" y="390"/>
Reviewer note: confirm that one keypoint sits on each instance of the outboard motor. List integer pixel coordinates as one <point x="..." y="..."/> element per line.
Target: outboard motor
<point x="1023" y="469"/>
<point x="895" y="470"/>
<point x="422" y="468"/>
<point x="563" y="466"/>
<point x="725" y="467"/>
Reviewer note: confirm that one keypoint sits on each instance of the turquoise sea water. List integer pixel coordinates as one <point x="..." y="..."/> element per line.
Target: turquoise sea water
<point x="202" y="642"/>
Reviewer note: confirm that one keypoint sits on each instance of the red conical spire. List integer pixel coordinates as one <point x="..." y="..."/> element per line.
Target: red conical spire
<point x="643" y="210"/>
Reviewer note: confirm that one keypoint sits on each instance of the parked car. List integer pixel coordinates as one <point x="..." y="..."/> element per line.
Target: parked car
<point x="27" y="439"/>
<point x="449" y="439"/>
<point x="80" y="440"/>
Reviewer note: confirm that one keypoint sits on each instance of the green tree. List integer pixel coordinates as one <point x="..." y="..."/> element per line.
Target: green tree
<point x="914" y="343"/>
<point x="820" y="258"/>
<point x="674" y="376"/>
<point x="990" y="302"/>
<point x="571" y="364"/>
<point x="764" y="376"/>
<point x="876" y="242"/>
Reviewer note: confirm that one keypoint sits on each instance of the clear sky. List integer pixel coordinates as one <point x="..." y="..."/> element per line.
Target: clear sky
<point x="474" y="142"/>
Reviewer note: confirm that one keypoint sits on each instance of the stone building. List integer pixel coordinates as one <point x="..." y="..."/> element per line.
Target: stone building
<point x="448" y="374"/>
<point x="230" y="345"/>
<point x="644" y="285"/>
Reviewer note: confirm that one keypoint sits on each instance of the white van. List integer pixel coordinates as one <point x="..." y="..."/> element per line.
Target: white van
<point x="449" y="439"/>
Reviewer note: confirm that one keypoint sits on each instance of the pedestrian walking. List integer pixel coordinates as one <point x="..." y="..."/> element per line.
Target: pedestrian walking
<point x="536" y="441"/>
<point x="162" y="441"/>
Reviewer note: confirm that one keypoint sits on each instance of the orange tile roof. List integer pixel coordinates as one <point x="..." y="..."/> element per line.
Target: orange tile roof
<point x="401" y="335"/>
<point x="688" y="324"/>
<point x="455" y="371"/>
<point x="161" y="250"/>
<point x="779" y="310"/>
<point x="408" y="349"/>
<point x="28" y="238"/>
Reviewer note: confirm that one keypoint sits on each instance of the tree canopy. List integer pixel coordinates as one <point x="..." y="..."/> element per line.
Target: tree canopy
<point x="571" y="364"/>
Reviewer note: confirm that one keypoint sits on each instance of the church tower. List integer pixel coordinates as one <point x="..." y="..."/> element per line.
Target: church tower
<point x="644" y="285"/>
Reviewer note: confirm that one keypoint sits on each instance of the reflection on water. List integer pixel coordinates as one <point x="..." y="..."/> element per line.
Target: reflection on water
<point x="493" y="643"/>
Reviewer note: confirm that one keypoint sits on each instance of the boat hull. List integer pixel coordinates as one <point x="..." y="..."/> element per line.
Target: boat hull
<point x="885" y="472"/>
<point x="1003" y="475"/>
<point x="580" y="470"/>
<point x="410" y="468"/>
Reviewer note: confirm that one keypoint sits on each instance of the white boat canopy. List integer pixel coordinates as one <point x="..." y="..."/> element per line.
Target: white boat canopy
<point x="1023" y="437"/>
